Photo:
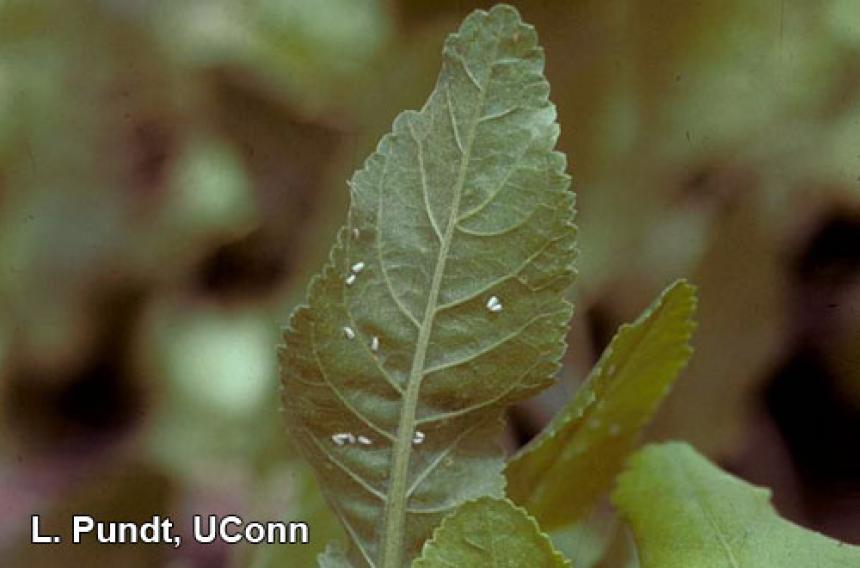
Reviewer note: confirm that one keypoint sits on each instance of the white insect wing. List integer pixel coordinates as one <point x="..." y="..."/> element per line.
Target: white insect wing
<point x="494" y="304"/>
<point x="343" y="438"/>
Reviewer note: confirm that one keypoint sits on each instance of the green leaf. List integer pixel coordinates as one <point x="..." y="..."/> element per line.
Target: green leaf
<point x="491" y="533"/>
<point x="442" y="302"/>
<point x="561" y="475"/>
<point x="685" y="512"/>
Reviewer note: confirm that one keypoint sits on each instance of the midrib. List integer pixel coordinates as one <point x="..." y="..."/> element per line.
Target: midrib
<point x="394" y="518"/>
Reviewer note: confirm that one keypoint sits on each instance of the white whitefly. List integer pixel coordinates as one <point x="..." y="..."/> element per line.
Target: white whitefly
<point x="374" y="344"/>
<point x="348" y="332"/>
<point x="364" y="441"/>
<point x="418" y="437"/>
<point x="494" y="304"/>
<point x="342" y="438"/>
<point x="356" y="233"/>
<point x="350" y="280"/>
<point x="358" y="267"/>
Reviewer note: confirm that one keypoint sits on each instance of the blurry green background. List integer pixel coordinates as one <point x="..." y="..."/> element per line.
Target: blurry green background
<point x="172" y="173"/>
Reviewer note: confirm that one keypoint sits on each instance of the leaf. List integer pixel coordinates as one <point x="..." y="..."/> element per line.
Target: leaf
<point x="687" y="512"/>
<point x="442" y="302"/>
<point x="599" y="541"/>
<point x="491" y="533"/>
<point x="561" y="475"/>
<point x="333" y="557"/>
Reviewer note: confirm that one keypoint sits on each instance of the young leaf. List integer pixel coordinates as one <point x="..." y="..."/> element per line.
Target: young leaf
<point x="489" y="532"/>
<point x="687" y="512"/>
<point x="563" y="473"/>
<point x="443" y="299"/>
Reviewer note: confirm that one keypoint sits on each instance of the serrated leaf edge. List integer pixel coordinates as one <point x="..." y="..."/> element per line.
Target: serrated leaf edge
<point x="531" y="520"/>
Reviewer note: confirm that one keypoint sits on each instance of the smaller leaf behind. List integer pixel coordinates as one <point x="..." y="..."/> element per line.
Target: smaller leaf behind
<point x="560" y="476"/>
<point x="685" y="512"/>
<point x="491" y="533"/>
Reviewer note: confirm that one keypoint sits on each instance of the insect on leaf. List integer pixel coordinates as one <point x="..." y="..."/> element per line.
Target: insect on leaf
<point x="685" y="511"/>
<point x="442" y="302"/>
<point x="562" y="474"/>
<point x="491" y="533"/>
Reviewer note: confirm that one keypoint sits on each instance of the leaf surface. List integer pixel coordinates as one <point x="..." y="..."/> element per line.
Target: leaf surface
<point x="334" y="556"/>
<point x="490" y="533"/>
<point x="561" y="475"/>
<point x="685" y="512"/>
<point x="442" y="302"/>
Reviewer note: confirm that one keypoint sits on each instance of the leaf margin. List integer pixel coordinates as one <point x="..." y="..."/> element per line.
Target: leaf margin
<point x="442" y="535"/>
<point x="660" y="459"/>
<point x="555" y="444"/>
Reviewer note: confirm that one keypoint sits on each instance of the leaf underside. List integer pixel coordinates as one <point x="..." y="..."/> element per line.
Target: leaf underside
<point x="489" y="533"/>
<point x="685" y="511"/>
<point x="561" y="475"/>
<point x="442" y="302"/>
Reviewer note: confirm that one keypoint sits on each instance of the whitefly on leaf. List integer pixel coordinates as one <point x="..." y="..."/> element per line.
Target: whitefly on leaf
<point x="465" y="201"/>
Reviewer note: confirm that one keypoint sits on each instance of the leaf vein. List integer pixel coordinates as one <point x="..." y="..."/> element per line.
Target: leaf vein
<point x="394" y="514"/>
<point x="346" y="469"/>
<point x="420" y="478"/>
<point x="424" y="191"/>
<point x="718" y="531"/>
<point x="382" y="370"/>
<point x="488" y="349"/>
<point x="450" y="105"/>
<point x="354" y="536"/>
<point x="340" y="396"/>
<point x="495" y="282"/>
<point x="491" y="196"/>
<point x="382" y="268"/>
<point x="442" y="416"/>
<point x="466" y="69"/>
<point x="500" y="114"/>
<point x="499" y="233"/>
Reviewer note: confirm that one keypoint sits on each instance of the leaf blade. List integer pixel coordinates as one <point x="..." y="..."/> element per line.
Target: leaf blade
<point x="470" y="537"/>
<point x="685" y="511"/>
<point x="465" y="201"/>
<point x="576" y="458"/>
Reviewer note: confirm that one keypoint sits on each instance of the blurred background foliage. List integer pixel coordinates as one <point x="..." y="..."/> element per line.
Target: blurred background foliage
<point x="172" y="172"/>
